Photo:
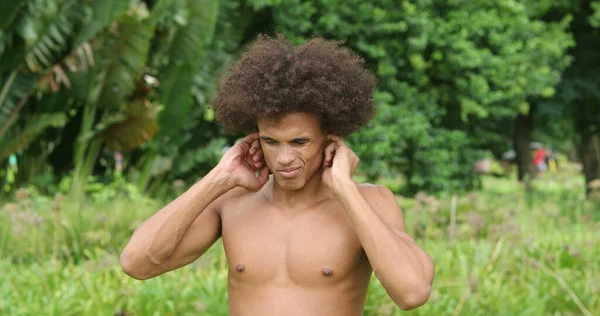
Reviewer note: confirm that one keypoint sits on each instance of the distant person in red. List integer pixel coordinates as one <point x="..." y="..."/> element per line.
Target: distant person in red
<point x="539" y="160"/>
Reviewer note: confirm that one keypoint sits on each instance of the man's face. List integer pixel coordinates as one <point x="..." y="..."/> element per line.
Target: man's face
<point x="292" y="147"/>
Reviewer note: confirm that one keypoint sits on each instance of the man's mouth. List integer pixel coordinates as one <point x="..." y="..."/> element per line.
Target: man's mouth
<point x="289" y="172"/>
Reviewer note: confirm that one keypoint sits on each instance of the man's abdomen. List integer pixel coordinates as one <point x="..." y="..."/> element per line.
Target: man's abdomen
<point x="291" y="299"/>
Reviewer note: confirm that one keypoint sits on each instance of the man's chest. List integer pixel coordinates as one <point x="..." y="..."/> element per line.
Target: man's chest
<point x="311" y="249"/>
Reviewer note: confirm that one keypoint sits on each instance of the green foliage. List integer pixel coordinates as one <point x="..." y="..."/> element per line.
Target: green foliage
<point x="46" y="30"/>
<point x="19" y="139"/>
<point x="442" y="161"/>
<point x="103" y="13"/>
<point x="137" y="126"/>
<point x="14" y="93"/>
<point x="36" y="33"/>
<point x="574" y="107"/>
<point x="8" y="12"/>
<point x="443" y="67"/>
<point x="186" y="52"/>
<point x="196" y="146"/>
<point x="203" y="157"/>
<point x="507" y="253"/>
<point x="595" y="18"/>
<point x="122" y="57"/>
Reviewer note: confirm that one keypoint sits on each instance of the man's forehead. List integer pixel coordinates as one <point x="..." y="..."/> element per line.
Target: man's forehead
<point x="294" y="122"/>
<point x="289" y="132"/>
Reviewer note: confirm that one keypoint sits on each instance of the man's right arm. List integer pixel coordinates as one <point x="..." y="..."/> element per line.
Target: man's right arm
<point x="179" y="233"/>
<point x="183" y="230"/>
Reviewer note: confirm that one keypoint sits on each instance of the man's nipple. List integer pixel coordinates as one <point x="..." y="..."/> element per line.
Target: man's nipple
<point x="327" y="271"/>
<point x="240" y="268"/>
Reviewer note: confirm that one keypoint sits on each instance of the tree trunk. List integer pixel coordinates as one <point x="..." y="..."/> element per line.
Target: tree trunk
<point x="145" y="171"/>
<point x="83" y="152"/>
<point x="589" y="153"/>
<point x="522" y="140"/>
<point x="410" y="155"/>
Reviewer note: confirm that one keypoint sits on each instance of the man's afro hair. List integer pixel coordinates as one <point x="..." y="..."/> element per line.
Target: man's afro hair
<point x="274" y="78"/>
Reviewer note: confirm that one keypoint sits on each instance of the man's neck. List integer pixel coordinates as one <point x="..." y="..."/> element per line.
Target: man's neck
<point x="313" y="191"/>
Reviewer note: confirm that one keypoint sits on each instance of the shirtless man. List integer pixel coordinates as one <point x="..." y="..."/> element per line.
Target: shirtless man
<point x="305" y="239"/>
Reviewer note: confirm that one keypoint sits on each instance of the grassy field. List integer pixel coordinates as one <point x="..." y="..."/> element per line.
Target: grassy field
<point x="497" y="252"/>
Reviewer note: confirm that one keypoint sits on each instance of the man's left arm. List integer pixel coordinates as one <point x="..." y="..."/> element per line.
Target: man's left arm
<point x="404" y="269"/>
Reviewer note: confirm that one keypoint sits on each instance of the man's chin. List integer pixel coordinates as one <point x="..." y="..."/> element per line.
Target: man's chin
<point x="290" y="184"/>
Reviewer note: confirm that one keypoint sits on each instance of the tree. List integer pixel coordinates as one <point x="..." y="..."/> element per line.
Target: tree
<point x="106" y="75"/>
<point x="35" y="52"/>
<point x="444" y="67"/>
<point x="575" y="107"/>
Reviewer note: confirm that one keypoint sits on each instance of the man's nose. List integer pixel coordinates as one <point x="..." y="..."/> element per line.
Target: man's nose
<point x="285" y="156"/>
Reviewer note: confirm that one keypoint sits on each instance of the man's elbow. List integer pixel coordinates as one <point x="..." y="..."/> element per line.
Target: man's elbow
<point x="416" y="298"/>
<point x="131" y="268"/>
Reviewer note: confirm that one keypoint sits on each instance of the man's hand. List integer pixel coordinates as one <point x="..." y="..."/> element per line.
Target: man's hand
<point x="339" y="164"/>
<point x="240" y="163"/>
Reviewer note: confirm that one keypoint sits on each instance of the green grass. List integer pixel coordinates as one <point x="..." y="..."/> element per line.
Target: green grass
<point x="506" y="253"/>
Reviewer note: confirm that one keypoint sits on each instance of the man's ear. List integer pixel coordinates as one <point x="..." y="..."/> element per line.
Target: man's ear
<point x="327" y="137"/>
<point x="326" y="142"/>
<point x="323" y="146"/>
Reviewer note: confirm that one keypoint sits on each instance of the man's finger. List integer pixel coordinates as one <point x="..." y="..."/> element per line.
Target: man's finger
<point x="249" y="139"/>
<point x="329" y="153"/>
<point x="259" y="159"/>
<point x="335" y="139"/>
<point x="254" y="147"/>
<point x="263" y="175"/>
<point x="355" y="164"/>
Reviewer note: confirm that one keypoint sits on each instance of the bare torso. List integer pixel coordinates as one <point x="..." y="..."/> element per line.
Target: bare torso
<point x="292" y="262"/>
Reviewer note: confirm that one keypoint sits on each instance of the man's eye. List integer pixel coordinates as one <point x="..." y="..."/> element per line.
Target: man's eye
<point x="300" y="142"/>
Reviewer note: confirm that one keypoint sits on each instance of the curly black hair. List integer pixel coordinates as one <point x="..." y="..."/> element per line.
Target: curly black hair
<point x="274" y="78"/>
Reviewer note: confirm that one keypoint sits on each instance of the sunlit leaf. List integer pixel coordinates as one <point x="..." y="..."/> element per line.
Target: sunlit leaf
<point x="138" y="126"/>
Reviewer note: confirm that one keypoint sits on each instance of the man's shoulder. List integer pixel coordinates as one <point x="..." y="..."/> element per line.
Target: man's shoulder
<point x="241" y="196"/>
<point x="383" y="201"/>
<point x="233" y="196"/>
<point x="375" y="192"/>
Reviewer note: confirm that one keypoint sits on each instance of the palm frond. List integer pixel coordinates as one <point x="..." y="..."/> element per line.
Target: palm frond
<point x="137" y="127"/>
<point x="20" y="139"/>
<point x="229" y="31"/>
<point x="74" y="65"/>
<point x="9" y="9"/>
<point x="123" y="58"/>
<point x="186" y="53"/>
<point x="175" y="95"/>
<point x="13" y="95"/>
<point x="103" y="13"/>
<point x="165" y="10"/>
<point x="46" y="34"/>
<point x="191" y="40"/>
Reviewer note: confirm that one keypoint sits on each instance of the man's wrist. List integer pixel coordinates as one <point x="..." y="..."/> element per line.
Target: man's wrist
<point x="220" y="179"/>
<point x="343" y="186"/>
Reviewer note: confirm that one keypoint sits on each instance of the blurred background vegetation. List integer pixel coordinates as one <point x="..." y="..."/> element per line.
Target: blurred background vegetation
<point x="105" y="115"/>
